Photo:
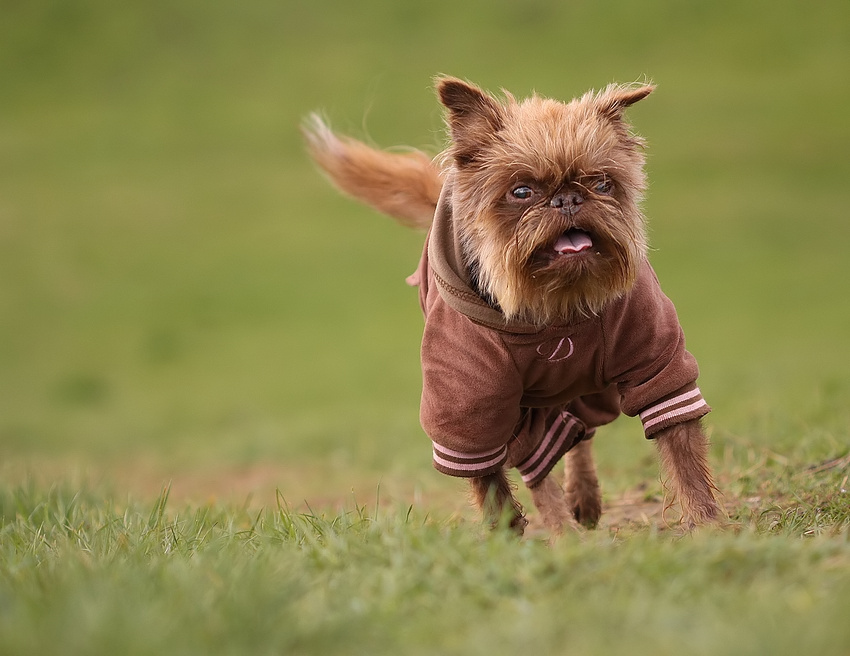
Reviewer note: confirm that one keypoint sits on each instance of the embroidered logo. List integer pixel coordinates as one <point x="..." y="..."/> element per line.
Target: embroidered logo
<point x="556" y="349"/>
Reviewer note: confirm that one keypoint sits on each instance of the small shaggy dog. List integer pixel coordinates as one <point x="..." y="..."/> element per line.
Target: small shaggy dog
<point x="543" y="318"/>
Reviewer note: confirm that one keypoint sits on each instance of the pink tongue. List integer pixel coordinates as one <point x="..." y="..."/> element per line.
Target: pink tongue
<point x="573" y="241"/>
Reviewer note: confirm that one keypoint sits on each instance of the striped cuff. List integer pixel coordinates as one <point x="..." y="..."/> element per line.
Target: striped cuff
<point x="457" y="463"/>
<point x="681" y="407"/>
<point x="564" y="433"/>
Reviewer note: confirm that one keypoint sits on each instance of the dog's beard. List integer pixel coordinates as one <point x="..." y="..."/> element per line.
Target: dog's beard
<point x="549" y="267"/>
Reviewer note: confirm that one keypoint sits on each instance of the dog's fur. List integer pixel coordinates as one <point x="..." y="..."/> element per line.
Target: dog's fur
<point x="525" y="174"/>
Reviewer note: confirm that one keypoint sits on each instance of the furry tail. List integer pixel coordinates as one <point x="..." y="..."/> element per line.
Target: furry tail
<point x="404" y="185"/>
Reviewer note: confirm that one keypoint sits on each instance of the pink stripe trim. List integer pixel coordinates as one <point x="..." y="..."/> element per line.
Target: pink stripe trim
<point x="465" y="454"/>
<point x="553" y="453"/>
<point x="677" y="399"/>
<point x="477" y="466"/>
<point x="544" y="445"/>
<point x="674" y="413"/>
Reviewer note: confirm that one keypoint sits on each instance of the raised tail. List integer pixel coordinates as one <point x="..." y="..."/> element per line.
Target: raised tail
<point x="405" y="186"/>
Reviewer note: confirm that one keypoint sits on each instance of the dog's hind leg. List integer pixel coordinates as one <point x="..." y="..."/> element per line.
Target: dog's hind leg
<point x="493" y="494"/>
<point x="582" y="487"/>
<point x="549" y="499"/>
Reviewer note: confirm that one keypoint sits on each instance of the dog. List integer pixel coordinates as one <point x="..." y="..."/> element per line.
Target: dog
<point x="543" y="317"/>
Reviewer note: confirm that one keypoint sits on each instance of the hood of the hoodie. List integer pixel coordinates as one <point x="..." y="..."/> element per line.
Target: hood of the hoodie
<point x="445" y="256"/>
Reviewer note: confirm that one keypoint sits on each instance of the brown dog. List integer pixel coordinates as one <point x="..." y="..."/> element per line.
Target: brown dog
<point x="544" y="319"/>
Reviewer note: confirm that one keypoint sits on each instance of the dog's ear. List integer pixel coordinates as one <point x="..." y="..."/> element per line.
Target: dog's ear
<point x="473" y="117"/>
<point x="614" y="100"/>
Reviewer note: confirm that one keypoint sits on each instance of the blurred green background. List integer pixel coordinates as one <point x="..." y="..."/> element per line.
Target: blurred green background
<point x="183" y="296"/>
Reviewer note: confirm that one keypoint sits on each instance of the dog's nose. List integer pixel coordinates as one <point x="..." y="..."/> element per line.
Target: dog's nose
<point x="568" y="202"/>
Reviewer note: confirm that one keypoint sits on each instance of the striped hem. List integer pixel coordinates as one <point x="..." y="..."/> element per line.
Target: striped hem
<point x="458" y="463"/>
<point x="562" y="435"/>
<point x="682" y="407"/>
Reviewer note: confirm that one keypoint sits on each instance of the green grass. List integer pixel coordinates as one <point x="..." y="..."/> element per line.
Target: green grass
<point x="81" y="575"/>
<point x="185" y="304"/>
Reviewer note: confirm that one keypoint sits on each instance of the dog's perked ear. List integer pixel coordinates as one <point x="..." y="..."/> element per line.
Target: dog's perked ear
<point x="614" y="99"/>
<point x="473" y="117"/>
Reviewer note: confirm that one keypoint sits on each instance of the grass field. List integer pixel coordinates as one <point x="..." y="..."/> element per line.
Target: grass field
<point x="209" y="361"/>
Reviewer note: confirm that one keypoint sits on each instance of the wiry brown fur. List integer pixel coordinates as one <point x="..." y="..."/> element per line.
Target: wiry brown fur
<point x="684" y="458"/>
<point x="494" y="495"/>
<point x="549" y="499"/>
<point x="405" y="186"/>
<point x="551" y="147"/>
<point x="583" y="169"/>
<point x="582" y="487"/>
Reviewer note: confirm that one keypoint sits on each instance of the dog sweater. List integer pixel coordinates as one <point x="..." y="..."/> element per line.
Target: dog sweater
<point x="500" y="393"/>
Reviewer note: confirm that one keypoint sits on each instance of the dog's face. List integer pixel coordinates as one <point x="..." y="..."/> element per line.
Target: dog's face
<point x="546" y="198"/>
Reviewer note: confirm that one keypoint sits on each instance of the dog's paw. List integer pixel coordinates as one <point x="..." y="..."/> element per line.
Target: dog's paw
<point x="586" y="503"/>
<point x="704" y="513"/>
<point x="518" y="525"/>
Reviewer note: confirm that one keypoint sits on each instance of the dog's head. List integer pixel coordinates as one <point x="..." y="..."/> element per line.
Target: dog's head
<point x="546" y="197"/>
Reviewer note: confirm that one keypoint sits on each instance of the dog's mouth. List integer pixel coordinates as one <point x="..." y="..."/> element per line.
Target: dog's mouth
<point x="573" y="241"/>
<point x="572" y="248"/>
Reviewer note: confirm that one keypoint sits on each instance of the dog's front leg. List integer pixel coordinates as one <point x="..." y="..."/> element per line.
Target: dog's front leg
<point x="494" y="496"/>
<point x="684" y="457"/>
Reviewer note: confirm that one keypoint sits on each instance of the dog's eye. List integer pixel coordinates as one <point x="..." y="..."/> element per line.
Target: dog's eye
<point x="604" y="186"/>
<point x="522" y="192"/>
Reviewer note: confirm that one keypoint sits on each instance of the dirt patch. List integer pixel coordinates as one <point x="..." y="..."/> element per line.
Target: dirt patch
<point x="325" y="486"/>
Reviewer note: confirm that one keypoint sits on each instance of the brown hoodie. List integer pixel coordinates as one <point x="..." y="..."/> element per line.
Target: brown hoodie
<point x="505" y="393"/>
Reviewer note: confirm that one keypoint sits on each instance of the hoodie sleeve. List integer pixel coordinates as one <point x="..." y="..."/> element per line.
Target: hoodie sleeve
<point x="647" y="360"/>
<point x="470" y="394"/>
